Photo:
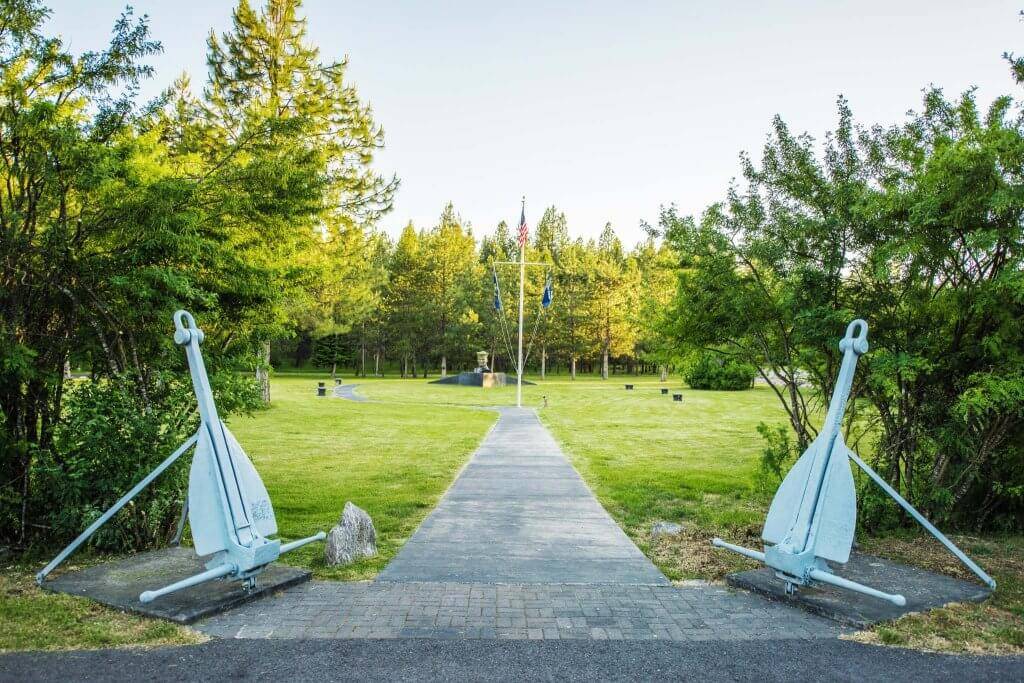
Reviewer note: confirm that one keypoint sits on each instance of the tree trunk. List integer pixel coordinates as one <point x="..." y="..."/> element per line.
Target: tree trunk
<point x="334" y="369"/>
<point x="543" y="360"/>
<point x="444" y="365"/>
<point x="664" y="374"/>
<point x="405" y="366"/>
<point x="572" y="368"/>
<point x="263" y="373"/>
<point x="376" y="363"/>
<point x="604" y="363"/>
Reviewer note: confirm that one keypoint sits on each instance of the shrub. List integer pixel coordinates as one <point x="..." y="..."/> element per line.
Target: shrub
<point x="779" y="454"/>
<point x="711" y="371"/>
<point x="113" y="432"/>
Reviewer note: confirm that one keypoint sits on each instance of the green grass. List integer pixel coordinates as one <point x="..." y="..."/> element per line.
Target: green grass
<point x="33" y="619"/>
<point x="646" y="457"/>
<point x="394" y="460"/>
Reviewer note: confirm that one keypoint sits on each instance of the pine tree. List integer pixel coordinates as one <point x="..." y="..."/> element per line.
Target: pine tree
<point x="570" y="328"/>
<point x="552" y="233"/>
<point x="404" y="296"/>
<point x="616" y="280"/>
<point x="452" y="282"/>
<point x="267" y="81"/>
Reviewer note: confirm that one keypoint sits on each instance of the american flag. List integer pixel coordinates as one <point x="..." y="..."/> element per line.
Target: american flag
<point x="524" y="231"/>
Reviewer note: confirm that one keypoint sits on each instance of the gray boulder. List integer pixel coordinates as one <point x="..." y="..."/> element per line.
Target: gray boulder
<point x="352" y="538"/>
<point x="665" y="529"/>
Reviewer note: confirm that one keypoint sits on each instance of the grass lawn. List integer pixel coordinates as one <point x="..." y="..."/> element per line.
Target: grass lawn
<point x="33" y="619"/>
<point x="646" y="457"/>
<point x="393" y="459"/>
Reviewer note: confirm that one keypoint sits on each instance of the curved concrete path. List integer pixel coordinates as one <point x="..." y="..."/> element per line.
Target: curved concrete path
<point x="348" y="392"/>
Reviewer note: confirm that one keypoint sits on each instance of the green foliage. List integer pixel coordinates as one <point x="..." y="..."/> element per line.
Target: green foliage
<point x="778" y="456"/>
<point x="109" y="439"/>
<point x="330" y="351"/>
<point x="917" y="228"/>
<point x="717" y="373"/>
<point x="249" y="206"/>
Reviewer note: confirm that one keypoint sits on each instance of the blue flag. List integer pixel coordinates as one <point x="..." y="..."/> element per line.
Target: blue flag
<point x="549" y="292"/>
<point x="497" y="293"/>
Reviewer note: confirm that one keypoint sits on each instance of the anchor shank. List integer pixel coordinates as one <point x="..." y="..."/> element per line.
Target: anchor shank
<point x="852" y="347"/>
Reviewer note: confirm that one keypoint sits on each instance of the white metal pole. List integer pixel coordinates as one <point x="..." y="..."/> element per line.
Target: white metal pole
<point x="522" y="277"/>
<point x="122" y="501"/>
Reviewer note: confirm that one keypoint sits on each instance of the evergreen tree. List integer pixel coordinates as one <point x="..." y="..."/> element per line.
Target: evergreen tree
<point x="573" y="281"/>
<point x="656" y="263"/>
<point x="266" y="81"/>
<point x="615" y="291"/>
<point x="452" y="282"/>
<point x="552" y="233"/>
<point x="405" y="298"/>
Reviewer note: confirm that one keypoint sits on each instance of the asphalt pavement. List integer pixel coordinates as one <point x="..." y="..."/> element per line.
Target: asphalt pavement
<point x="485" y="660"/>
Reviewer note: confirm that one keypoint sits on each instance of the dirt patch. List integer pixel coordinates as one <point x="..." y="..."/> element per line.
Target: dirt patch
<point x="690" y="555"/>
<point x="996" y="556"/>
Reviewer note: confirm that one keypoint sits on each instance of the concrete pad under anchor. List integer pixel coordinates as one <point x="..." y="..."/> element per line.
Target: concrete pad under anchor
<point x="924" y="590"/>
<point x="118" y="584"/>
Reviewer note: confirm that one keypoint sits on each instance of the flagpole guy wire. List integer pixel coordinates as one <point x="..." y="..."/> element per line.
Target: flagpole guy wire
<point x="506" y="336"/>
<point x="545" y="302"/>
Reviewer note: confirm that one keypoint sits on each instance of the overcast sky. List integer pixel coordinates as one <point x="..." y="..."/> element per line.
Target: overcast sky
<point x="606" y="109"/>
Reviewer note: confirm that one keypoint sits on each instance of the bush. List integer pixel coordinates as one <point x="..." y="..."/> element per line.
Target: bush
<point x="111" y="435"/>
<point x="779" y="454"/>
<point x="713" y="372"/>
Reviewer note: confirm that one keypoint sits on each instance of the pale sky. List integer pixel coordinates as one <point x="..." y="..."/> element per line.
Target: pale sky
<point x="606" y="109"/>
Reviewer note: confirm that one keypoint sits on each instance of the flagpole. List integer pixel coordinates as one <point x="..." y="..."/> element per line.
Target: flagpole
<point x="522" y="277"/>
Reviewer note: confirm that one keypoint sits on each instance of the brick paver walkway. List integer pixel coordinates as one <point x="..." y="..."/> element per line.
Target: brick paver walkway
<point x="518" y="548"/>
<point x="515" y="611"/>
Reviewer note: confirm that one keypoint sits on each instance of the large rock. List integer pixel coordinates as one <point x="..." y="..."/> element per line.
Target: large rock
<point x="352" y="538"/>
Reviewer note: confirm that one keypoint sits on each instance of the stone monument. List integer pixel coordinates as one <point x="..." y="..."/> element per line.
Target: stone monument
<point x="481" y="376"/>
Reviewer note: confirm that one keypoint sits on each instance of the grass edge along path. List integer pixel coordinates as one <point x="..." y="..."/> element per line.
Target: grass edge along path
<point x="313" y="454"/>
<point x="644" y="456"/>
<point x="393" y="460"/>
<point x="644" y="467"/>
